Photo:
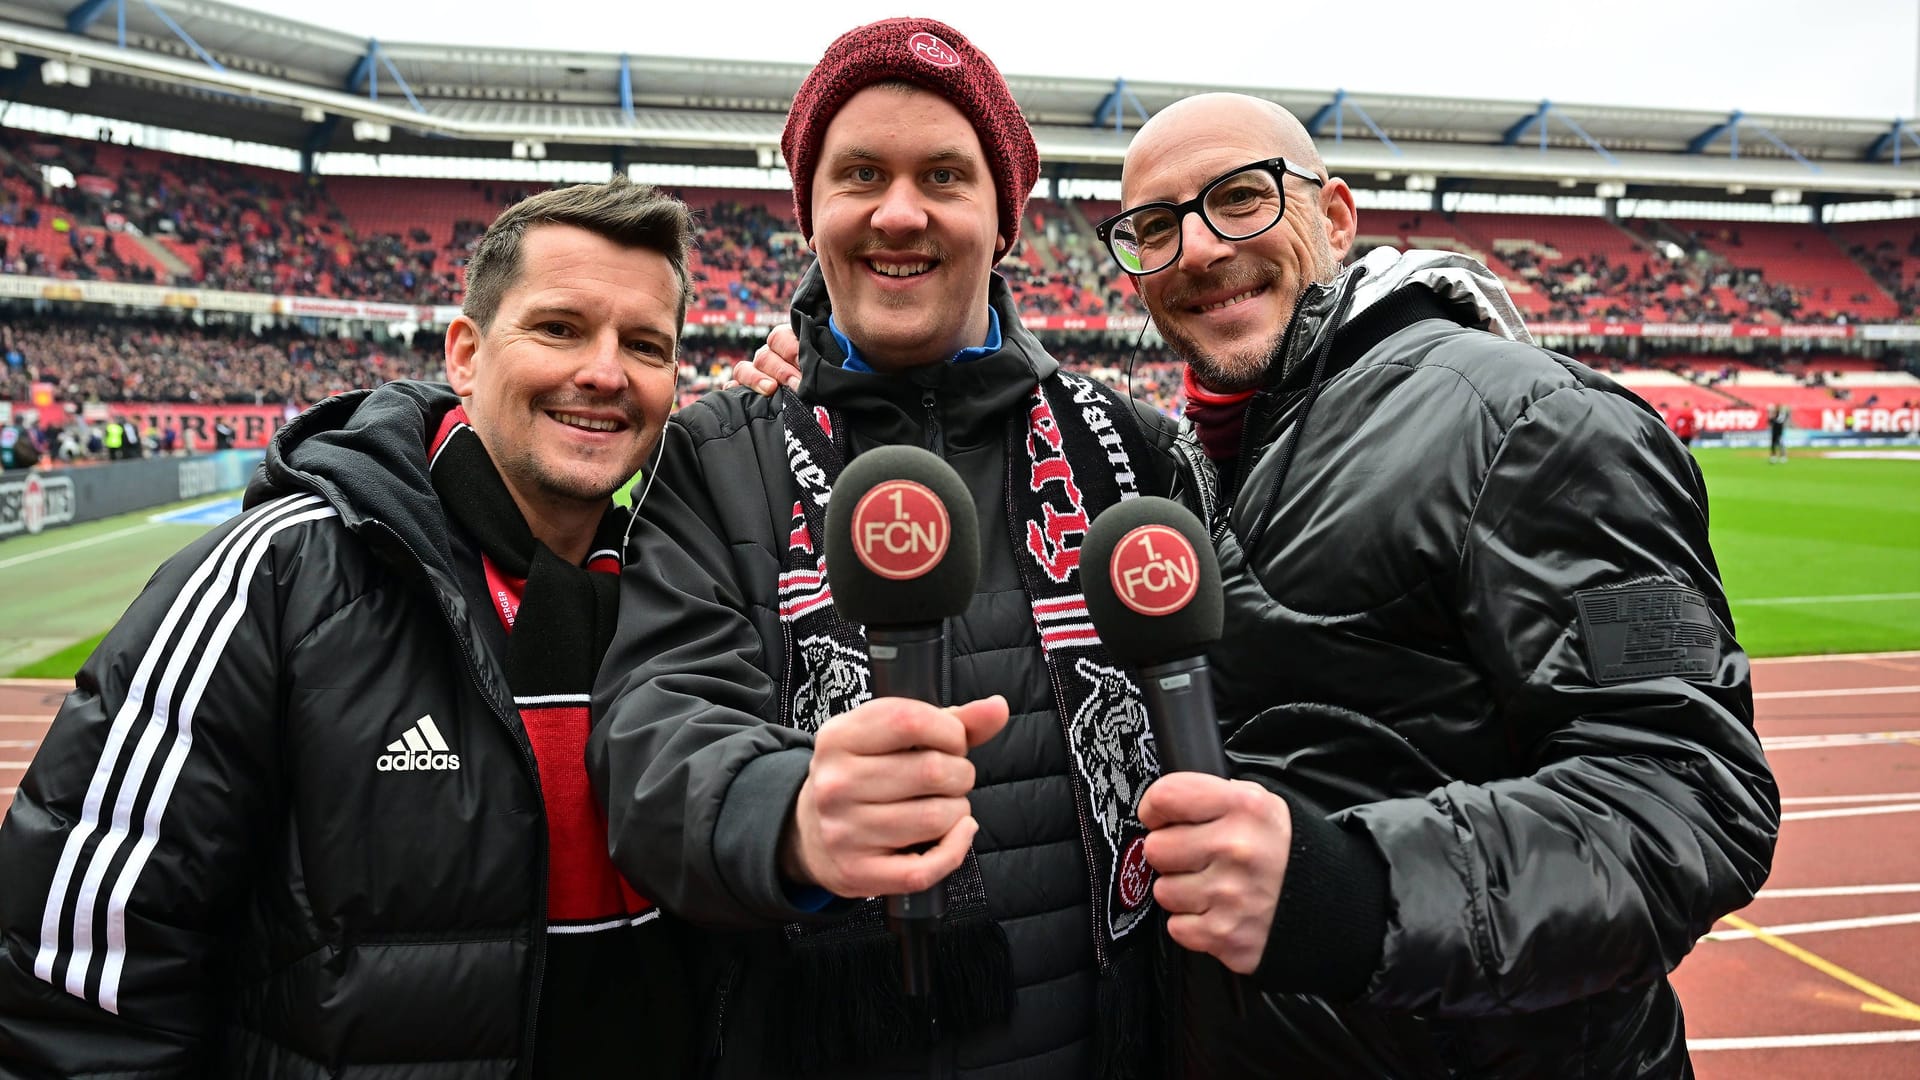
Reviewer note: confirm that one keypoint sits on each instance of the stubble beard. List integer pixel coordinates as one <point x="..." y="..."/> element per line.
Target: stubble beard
<point x="1236" y="370"/>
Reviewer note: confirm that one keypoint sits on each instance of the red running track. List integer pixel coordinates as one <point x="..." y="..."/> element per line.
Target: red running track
<point x="1819" y="977"/>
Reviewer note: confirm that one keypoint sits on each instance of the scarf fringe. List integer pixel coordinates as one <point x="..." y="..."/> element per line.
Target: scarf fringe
<point x="847" y="1006"/>
<point x="1126" y="1048"/>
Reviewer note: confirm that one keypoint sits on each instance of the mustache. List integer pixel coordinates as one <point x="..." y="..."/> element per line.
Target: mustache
<point x="933" y="251"/>
<point x="1233" y="279"/>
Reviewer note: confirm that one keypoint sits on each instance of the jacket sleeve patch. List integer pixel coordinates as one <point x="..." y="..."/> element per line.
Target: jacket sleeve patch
<point x="1648" y="631"/>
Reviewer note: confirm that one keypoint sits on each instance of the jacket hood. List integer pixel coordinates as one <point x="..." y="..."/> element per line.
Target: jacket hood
<point x="1472" y="293"/>
<point x="975" y="394"/>
<point x="365" y="452"/>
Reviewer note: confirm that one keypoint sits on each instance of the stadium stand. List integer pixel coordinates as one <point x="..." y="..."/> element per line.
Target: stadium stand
<point x="1787" y="272"/>
<point x="140" y="215"/>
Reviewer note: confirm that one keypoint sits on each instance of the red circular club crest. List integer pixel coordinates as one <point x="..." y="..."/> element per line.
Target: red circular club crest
<point x="1134" y="877"/>
<point x="900" y="529"/>
<point x="1154" y="570"/>
<point x="933" y="50"/>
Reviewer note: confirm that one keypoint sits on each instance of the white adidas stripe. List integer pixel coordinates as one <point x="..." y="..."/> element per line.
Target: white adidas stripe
<point x="426" y="727"/>
<point x="116" y="956"/>
<point x="248" y="541"/>
<point x="130" y="710"/>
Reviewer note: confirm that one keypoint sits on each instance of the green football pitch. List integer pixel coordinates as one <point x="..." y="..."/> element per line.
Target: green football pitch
<point x="1818" y="555"/>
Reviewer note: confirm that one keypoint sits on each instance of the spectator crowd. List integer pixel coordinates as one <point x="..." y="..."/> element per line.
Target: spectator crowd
<point x="124" y="214"/>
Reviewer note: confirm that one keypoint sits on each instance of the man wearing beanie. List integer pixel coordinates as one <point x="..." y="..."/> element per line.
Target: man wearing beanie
<point x="749" y="781"/>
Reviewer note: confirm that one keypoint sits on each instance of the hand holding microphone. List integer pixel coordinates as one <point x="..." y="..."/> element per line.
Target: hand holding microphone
<point x="1220" y="846"/>
<point x="883" y="811"/>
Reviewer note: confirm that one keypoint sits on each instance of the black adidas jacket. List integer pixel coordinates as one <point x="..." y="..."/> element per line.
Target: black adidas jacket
<point x="1531" y="782"/>
<point x="698" y="776"/>
<point x="261" y="892"/>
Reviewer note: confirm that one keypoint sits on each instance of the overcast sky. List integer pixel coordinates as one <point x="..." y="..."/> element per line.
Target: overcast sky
<point x="1811" y="57"/>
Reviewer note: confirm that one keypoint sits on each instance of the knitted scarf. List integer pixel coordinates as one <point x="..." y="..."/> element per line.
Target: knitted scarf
<point x="1068" y="458"/>
<point x="559" y="620"/>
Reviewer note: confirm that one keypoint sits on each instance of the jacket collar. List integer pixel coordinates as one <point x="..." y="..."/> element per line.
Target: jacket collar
<point x="365" y="452"/>
<point x="969" y="401"/>
<point x="1469" y="294"/>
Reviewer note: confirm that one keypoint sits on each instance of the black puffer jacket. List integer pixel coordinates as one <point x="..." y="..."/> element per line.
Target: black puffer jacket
<point x="699" y="778"/>
<point x="273" y="901"/>
<point x="1534" y="783"/>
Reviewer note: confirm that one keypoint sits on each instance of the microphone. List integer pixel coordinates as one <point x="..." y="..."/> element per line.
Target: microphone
<point x="1152" y="584"/>
<point x="1153" y="591"/>
<point x="903" y="554"/>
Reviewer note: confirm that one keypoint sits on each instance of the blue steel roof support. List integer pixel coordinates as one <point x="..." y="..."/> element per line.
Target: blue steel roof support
<point x="1538" y="116"/>
<point x="83" y="16"/>
<point x="1114" y="106"/>
<point x="367" y="70"/>
<point x="398" y="81"/>
<point x="1577" y="130"/>
<point x="626" y="87"/>
<point x="1785" y="149"/>
<point x="1731" y="129"/>
<point x="1707" y="138"/>
<point x="184" y="36"/>
<point x="362" y="68"/>
<point x="1337" y="108"/>
<point x="318" y="136"/>
<point x="1899" y="133"/>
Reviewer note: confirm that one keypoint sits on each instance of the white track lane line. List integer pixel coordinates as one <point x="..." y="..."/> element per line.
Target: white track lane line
<point x="1823" y="926"/>
<point x="1845" y="691"/>
<point x="1821" y="658"/>
<point x="1841" y="890"/>
<point x="1822" y="742"/>
<point x="1851" y="811"/>
<point x="1794" y="1042"/>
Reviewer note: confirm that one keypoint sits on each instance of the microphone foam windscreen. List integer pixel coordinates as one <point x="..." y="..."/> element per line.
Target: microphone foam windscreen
<point x="1152" y="582"/>
<point x="903" y="542"/>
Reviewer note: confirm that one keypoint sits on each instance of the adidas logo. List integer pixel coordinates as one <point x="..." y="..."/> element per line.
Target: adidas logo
<point x="418" y="749"/>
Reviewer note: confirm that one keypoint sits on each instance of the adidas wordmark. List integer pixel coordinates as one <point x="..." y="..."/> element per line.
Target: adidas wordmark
<point x="419" y="749"/>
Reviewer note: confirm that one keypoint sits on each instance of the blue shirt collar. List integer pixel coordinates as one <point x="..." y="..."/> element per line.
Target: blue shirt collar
<point x="855" y="363"/>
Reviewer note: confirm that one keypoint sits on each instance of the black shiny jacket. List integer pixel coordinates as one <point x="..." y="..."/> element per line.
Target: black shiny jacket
<point x="1528" y="780"/>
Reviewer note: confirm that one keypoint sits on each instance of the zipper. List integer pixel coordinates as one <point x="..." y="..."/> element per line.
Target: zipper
<point x="1342" y="303"/>
<point x="720" y="1011"/>
<point x="1257" y="412"/>
<point x="539" y="942"/>
<point x="936" y="442"/>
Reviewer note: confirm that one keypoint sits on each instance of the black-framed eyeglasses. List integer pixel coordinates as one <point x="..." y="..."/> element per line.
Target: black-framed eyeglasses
<point x="1237" y="205"/>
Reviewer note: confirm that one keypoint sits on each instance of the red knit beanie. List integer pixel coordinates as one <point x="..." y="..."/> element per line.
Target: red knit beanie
<point x="931" y="55"/>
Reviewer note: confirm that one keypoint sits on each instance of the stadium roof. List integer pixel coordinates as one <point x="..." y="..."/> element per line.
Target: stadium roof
<point x="199" y="65"/>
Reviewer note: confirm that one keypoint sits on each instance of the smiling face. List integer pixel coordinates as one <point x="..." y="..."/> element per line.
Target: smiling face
<point x="569" y="386"/>
<point x="906" y="226"/>
<point x="1223" y="306"/>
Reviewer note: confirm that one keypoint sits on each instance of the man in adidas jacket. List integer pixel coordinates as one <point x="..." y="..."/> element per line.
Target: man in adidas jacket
<point x="317" y="807"/>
